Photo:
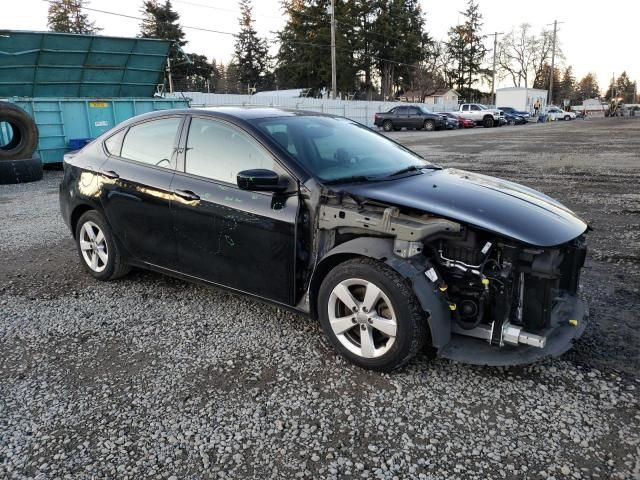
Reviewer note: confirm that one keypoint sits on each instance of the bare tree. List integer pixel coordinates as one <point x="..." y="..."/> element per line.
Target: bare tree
<point x="522" y="55"/>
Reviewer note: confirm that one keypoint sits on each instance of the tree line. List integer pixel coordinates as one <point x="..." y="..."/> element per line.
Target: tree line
<point x="382" y="51"/>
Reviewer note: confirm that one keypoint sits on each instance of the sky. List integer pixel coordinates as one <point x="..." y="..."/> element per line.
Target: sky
<point x="589" y="41"/>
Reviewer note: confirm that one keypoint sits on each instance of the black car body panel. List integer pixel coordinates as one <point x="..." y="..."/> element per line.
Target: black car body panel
<point x="458" y="238"/>
<point x="500" y="206"/>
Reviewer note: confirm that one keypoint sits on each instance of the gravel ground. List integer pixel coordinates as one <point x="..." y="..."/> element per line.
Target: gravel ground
<point x="152" y="377"/>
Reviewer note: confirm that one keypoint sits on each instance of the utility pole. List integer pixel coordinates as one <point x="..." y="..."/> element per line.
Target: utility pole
<point x="493" y="80"/>
<point x="333" y="50"/>
<point x="553" y="62"/>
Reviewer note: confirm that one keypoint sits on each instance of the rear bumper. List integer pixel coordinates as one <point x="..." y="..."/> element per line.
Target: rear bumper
<point x="558" y="340"/>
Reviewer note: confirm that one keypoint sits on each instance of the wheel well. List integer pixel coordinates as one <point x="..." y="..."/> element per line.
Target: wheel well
<point x="75" y="216"/>
<point x="321" y="271"/>
<point x="487" y="116"/>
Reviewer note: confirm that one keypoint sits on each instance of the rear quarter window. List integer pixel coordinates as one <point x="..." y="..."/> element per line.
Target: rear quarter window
<point x="113" y="144"/>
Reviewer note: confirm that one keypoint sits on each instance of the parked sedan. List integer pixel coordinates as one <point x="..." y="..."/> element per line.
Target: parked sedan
<point x="410" y="117"/>
<point x="462" y="121"/>
<point x="513" y="111"/>
<point x="324" y="216"/>
<point x="511" y="119"/>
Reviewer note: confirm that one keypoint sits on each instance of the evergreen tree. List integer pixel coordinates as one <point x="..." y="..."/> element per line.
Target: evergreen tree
<point x="567" y="87"/>
<point x="544" y="84"/>
<point x="251" y="53"/>
<point x="467" y="51"/>
<point x="623" y="88"/>
<point x="66" y="16"/>
<point x="587" y="88"/>
<point x="401" y="44"/>
<point x="161" y="21"/>
<point x="304" y="56"/>
<point x="232" y="78"/>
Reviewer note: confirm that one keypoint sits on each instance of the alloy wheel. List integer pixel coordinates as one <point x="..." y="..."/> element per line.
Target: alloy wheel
<point x="362" y="318"/>
<point x="93" y="246"/>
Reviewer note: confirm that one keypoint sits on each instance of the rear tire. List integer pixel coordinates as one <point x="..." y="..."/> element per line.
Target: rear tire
<point x="386" y="311"/>
<point x="20" y="171"/>
<point x="567" y="118"/>
<point x="429" y="125"/>
<point x="99" y="252"/>
<point x="488" y="122"/>
<point x="387" y="125"/>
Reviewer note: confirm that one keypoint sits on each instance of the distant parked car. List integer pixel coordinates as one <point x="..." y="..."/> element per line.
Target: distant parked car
<point x="511" y="119"/>
<point x="463" y="122"/>
<point x="452" y="121"/>
<point x="409" y="117"/>
<point x="513" y="111"/>
<point x="487" y="117"/>
<point x="555" y="113"/>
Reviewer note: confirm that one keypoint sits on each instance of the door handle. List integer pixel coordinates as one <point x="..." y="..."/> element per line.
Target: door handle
<point x="187" y="195"/>
<point x="110" y="174"/>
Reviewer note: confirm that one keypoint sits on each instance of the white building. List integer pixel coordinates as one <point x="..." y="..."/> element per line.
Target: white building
<point x="522" y="99"/>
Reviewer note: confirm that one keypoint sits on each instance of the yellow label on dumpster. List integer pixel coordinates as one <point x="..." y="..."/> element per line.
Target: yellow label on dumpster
<point x="98" y="104"/>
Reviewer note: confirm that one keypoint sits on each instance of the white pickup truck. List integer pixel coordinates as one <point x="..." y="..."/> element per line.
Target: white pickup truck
<point x="487" y="117"/>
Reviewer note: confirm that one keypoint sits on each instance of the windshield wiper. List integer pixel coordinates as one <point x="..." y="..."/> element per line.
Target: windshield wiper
<point x="414" y="168"/>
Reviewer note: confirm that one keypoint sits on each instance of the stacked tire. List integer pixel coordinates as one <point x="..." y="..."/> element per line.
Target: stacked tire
<point x="18" y="164"/>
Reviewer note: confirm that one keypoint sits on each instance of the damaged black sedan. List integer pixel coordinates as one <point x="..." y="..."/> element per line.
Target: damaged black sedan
<point x="322" y="215"/>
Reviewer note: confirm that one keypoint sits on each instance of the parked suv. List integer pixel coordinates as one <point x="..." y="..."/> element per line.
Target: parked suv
<point x="409" y="117"/>
<point x="487" y="117"/>
<point x="556" y="113"/>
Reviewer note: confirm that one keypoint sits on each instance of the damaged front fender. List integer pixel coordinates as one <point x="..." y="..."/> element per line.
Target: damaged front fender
<point x="411" y="269"/>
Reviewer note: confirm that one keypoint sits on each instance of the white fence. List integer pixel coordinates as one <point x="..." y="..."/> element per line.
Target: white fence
<point x="359" y="111"/>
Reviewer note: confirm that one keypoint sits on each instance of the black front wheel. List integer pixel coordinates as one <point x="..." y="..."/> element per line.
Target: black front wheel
<point x="429" y="125"/>
<point x="370" y="315"/>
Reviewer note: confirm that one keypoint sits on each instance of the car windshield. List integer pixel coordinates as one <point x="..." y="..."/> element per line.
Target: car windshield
<point x="425" y="110"/>
<point x="339" y="150"/>
<point x="482" y="107"/>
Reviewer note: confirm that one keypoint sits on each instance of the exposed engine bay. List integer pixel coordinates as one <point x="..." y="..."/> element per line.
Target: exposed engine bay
<point x="496" y="289"/>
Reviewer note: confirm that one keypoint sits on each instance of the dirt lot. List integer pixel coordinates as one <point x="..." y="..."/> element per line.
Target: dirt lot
<point x="151" y="377"/>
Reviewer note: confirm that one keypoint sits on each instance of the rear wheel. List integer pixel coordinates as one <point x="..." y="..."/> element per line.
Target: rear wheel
<point x="370" y="315"/>
<point x="429" y="125"/>
<point x="488" y="122"/>
<point x="97" y="248"/>
<point x="387" y="125"/>
<point x="511" y="122"/>
<point x="567" y="117"/>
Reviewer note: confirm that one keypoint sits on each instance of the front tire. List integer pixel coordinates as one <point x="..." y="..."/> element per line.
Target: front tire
<point x="567" y="118"/>
<point x="488" y="122"/>
<point x="429" y="125"/>
<point x="370" y="315"/>
<point x="99" y="253"/>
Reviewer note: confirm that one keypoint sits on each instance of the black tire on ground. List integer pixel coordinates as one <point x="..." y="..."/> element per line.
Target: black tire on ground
<point x="387" y="125"/>
<point x="411" y="321"/>
<point x="567" y="118"/>
<point x="116" y="265"/>
<point x="429" y="125"/>
<point x="511" y="122"/>
<point x="487" y="122"/>
<point x="24" y="138"/>
<point x="20" y="171"/>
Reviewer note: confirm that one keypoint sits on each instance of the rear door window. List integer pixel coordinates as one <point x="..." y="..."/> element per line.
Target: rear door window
<point x="153" y="142"/>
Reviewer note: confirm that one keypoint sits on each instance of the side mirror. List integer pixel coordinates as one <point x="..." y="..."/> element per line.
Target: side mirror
<point x="259" y="179"/>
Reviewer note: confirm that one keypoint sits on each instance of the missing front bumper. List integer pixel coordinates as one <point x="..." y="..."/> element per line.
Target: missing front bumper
<point x="570" y="318"/>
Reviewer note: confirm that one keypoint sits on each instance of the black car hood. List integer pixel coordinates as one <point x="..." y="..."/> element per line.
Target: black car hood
<point x="500" y="206"/>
